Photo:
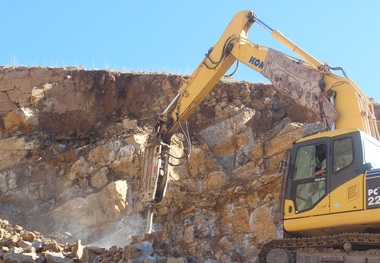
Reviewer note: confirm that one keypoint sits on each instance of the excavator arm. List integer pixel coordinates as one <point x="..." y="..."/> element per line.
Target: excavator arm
<point x="154" y="178"/>
<point x="309" y="82"/>
<point x="213" y="67"/>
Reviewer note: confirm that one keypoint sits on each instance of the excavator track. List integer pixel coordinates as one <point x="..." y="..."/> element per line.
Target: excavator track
<point x="347" y="248"/>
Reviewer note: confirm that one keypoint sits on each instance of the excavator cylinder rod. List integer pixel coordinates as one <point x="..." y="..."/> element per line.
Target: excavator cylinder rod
<point x="290" y="44"/>
<point x="265" y="26"/>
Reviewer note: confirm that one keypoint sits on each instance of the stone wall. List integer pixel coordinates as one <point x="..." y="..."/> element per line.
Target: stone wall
<point x="71" y="144"/>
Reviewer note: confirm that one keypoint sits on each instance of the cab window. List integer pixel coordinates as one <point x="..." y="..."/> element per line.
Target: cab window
<point x="343" y="154"/>
<point x="371" y="153"/>
<point x="310" y="160"/>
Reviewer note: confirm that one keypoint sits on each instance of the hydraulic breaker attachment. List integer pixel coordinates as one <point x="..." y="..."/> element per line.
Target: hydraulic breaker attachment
<point x="154" y="178"/>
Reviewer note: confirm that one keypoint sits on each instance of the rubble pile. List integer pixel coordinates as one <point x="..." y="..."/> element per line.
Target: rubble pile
<point x="20" y="245"/>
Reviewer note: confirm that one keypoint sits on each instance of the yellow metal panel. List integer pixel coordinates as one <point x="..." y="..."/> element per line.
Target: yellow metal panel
<point x="320" y="209"/>
<point x="329" y="134"/>
<point x="250" y="54"/>
<point x="348" y="197"/>
<point x="355" y="109"/>
<point x="344" y="206"/>
<point x="348" y="219"/>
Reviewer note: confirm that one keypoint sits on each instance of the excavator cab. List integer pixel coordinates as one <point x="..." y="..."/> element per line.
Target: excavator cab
<point x="331" y="181"/>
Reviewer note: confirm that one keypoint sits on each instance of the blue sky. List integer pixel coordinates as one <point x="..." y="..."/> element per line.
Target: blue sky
<point x="173" y="36"/>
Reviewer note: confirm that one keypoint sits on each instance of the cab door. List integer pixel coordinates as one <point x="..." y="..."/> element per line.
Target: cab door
<point x="307" y="186"/>
<point x="347" y="178"/>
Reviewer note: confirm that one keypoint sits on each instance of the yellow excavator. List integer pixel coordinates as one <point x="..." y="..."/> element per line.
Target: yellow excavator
<point x="332" y="185"/>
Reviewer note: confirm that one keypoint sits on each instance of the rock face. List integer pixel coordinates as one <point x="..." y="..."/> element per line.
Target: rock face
<point x="71" y="144"/>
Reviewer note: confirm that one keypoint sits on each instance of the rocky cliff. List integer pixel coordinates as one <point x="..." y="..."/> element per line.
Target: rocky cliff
<point x="71" y="144"/>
